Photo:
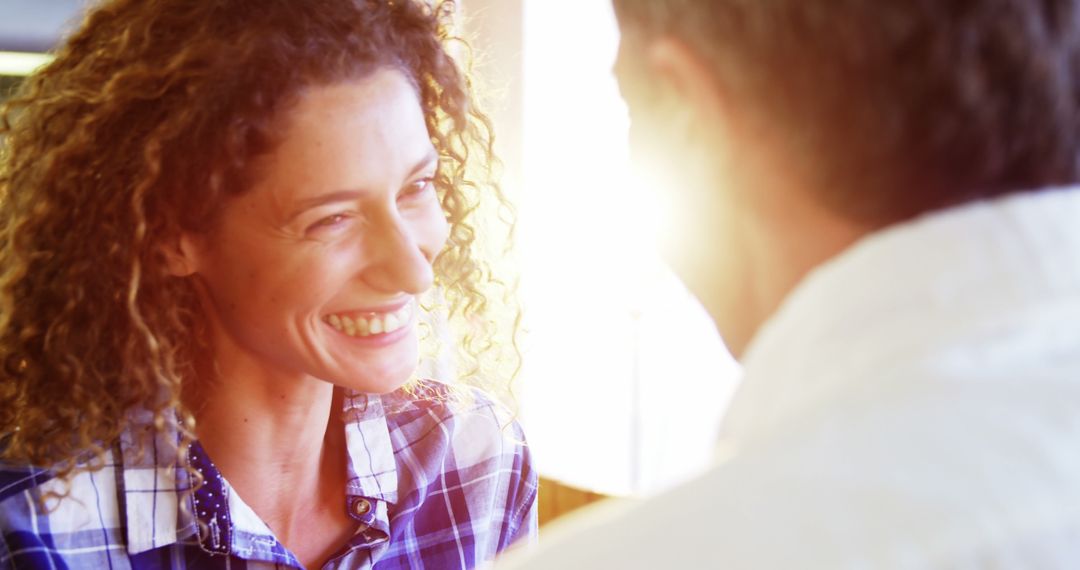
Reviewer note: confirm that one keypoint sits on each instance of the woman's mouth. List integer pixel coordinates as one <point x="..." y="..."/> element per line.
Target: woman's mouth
<point x="369" y="323"/>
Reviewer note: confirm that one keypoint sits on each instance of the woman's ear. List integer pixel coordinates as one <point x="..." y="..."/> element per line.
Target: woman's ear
<point x="181" y="254"/>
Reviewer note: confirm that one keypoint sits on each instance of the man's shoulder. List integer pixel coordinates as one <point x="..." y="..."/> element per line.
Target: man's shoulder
<point x="733" y="516"/>
<point x="920" y="484"/>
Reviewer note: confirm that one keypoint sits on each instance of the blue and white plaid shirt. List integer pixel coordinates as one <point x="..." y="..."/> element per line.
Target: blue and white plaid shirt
<point x="433" y="485"/>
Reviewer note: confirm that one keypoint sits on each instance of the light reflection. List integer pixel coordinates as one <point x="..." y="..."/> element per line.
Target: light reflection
<point x="21" y="63"/>
<point x="624" y="377"/>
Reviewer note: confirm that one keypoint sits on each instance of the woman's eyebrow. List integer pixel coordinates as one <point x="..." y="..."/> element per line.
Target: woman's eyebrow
<point x="424" y="163"/>
<point x="351" y="195"/>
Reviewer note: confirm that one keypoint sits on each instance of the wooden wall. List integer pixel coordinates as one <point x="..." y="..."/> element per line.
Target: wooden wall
<point x="557" y="499"/>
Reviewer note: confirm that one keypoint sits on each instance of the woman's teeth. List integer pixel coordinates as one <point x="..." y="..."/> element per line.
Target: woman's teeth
<point x="380" y="323"/>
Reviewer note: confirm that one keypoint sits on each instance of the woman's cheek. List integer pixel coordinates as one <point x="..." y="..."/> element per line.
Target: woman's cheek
<point x="432" y="230"/>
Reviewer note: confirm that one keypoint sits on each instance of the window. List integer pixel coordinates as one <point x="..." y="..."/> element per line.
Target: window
<point x="624" y="378"/>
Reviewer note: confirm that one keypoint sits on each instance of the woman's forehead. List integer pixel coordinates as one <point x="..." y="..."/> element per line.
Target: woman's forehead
<point x="367" y="134"/>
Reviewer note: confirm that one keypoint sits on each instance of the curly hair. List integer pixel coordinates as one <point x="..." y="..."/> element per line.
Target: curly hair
<point x="142" y="125"/>
<point x="905" y="106"/>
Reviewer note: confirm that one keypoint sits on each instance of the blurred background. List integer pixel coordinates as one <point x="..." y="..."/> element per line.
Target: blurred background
<point x="624" y="379"/>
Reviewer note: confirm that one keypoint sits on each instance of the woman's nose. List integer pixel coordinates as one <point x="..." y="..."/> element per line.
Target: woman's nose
<point x="397" y="262"/>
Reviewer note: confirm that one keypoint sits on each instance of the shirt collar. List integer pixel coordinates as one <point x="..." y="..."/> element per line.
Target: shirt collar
<point x="150" y="484"/>
<point x="153" y="486"/>
<point x="903" y="293"/>
<point x="372" y="467"/>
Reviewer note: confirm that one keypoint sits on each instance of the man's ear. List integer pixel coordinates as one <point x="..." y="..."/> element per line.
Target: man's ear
<point x="181" y="254"/>
<point x="686" y="75"/>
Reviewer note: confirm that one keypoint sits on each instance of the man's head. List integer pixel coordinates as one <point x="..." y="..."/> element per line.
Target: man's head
<point x="803" y="124"/>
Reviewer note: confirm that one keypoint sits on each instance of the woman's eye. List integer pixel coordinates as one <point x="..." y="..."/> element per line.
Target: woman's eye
<point x="329" y="221"/>
<point x="417" y="188"/>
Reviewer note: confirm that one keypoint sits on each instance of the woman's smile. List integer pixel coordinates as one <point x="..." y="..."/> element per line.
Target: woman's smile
<point x="374" y="324"/>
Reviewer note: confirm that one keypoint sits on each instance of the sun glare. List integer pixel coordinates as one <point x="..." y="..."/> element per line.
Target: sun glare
<point x="624" y="377"/>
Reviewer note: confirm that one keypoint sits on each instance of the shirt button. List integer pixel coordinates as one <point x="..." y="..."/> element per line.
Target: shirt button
<point x="361" y="507"/>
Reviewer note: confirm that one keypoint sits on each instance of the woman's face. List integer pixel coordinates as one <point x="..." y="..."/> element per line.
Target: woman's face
<point x="314" y="271"/>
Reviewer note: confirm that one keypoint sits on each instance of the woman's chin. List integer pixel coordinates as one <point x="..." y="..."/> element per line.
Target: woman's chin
<point x="378" y="378"/>
<point x="378" y="369"/>
<point x="380" y="386"/>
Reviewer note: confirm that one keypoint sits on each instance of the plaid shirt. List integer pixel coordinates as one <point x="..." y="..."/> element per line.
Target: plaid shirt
<point x="431" y="486"/>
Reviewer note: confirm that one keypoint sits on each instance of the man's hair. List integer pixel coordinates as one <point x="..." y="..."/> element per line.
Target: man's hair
<point x="907" y="105"/>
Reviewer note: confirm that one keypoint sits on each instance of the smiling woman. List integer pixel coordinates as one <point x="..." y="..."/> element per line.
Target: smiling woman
<point x="217" y="223"/>
<point x="342" y="223"/>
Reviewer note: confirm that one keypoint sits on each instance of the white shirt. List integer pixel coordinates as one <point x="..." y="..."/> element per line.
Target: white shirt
<point x="914" y="403"/>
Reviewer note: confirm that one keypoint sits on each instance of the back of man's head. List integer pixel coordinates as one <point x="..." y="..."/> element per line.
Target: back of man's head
<point x="907" y="105"/>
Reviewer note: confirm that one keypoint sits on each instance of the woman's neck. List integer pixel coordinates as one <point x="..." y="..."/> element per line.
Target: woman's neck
<point x="258" y="428"/>
<point x="280" y="444"/>
<point x="278" y="440"/>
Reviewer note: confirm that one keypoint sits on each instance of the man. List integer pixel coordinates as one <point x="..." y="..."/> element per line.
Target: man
<point x="878" y="209"/>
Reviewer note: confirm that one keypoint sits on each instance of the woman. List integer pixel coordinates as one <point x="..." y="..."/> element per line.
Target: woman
<point x="217" y="218"/>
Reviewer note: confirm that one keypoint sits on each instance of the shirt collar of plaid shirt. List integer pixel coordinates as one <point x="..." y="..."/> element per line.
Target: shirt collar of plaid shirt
<point x="152" y="488"/>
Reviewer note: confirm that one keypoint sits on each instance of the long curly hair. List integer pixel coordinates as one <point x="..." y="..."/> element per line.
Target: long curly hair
<point x="142" y="125"/>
